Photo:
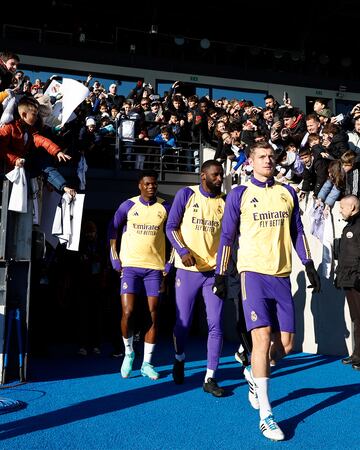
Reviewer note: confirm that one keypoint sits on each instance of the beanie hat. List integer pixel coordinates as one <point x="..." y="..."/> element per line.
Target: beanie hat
<point x="326" y="112"/>
<point x="90" y="121"/>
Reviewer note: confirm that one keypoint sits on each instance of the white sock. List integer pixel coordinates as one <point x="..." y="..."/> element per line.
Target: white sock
<point x="209" y="374"/>
<point x="262" y="390"/>
<point x="241" y="348"/>
<point x="128" y="344"/>
<point x="148" y="351"/>
<point x="180" y="357"/>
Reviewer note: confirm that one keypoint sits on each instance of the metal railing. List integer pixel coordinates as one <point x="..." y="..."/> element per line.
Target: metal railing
<point x="184" y="158"/>
<point x="119" y="155"/>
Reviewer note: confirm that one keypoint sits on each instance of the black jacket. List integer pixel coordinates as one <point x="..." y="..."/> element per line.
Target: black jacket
<point x="348" y="269"/>
<point x="353" y="181"/>
<point x="315" y="176"/>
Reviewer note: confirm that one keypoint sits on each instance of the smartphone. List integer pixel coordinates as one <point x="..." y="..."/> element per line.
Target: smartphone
<point x="339" y="118"/>
<point x="286" y="97"/>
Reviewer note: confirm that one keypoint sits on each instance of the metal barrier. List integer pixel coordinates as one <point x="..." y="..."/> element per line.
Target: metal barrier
<point x="15" y="270"/>
<point x="19" y="31"/>
<point x="114" y="153"/>
<point x="185" y="158"/>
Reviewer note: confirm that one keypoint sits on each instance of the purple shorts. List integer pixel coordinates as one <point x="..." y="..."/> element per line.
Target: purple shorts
<point x="135" y="279"/>
<point x="267" y="301"/>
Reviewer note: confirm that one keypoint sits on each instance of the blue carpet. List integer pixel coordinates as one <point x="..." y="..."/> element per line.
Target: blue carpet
<point x="82" y="403"/>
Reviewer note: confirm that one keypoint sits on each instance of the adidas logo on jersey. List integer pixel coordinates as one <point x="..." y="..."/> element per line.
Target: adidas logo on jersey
<point x="254" y="201"/>
<point x="196" y="205"/>
<point x="136" y="213"/>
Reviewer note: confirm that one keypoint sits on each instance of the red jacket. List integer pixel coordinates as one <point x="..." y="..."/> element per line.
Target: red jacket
<point x="17" y="139"/>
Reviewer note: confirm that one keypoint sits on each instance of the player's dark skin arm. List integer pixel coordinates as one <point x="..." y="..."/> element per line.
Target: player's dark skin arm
<point x="188" y="260"/>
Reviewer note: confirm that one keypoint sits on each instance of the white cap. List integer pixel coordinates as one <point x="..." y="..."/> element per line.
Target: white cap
<point x="90" y="121"/>
<point x="290" y="158"/>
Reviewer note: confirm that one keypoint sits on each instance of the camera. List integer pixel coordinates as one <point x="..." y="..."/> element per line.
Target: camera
<point x="284" y="133"/>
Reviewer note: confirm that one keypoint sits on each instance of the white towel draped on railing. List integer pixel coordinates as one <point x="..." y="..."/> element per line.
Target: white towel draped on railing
<point x="18" y="197"/>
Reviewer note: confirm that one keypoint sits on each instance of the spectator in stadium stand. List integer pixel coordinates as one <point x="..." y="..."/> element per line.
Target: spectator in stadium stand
<point x="294" y="126"/>
<point x="319" y="105"/>
<point x="154" y="119"/>
<point x="89" y="140"/>
<point x="114" y="113"/>
<point x="313" y="126"/>
<point x="315" y="170"/>
<point x="178" y="127"/>
<point x="324" y="116"/>
<point x="193" y="117"/>
<point x="348" y="123"/>
<point x="8" y="65"/>
<point x="266" y="121"/>
<point x="28" y="152"/>
<point x="218" y="129"/>
<point x="334" y="141"/>
<point x="97" y="88"/>
<point x="176" y="106"/>
<point x="219" y="104"/>
<point x="167" y="141"/>
<point x="106" y="127"/>
<point x="354" y="135"/>
<point x="90" y="104"/>
<point x="144" y="106"/>
<point x="333" y="188"/>
<point x="249" y="112"/>
<point x="128" y="130"/>
<point x="235" y="130"/>
<point x="141" y="90"/>
<point x="102" y="111"/>
<point x="200" y="128"/>
<point x="192" y="104"/>
<point x="18" y="78"/>
<point x="249" y="127"/>
<point x="112" y="98"/>
<point x="223" y="148"/>
<point x="351" y="167"/>
<point x="270" y="102"/>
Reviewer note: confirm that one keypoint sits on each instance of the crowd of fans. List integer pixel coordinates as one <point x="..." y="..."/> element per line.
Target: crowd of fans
<point x="151" y="128"/>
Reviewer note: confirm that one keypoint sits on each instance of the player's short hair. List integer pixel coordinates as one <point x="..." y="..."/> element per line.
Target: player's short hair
<point x="209" y="163"/>
<point x="148" y="173"/>
<point x="261" y="144"/>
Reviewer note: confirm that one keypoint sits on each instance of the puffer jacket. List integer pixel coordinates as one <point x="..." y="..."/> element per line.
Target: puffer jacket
<point x="17" y="139"/>
<point x="348" y="269"/>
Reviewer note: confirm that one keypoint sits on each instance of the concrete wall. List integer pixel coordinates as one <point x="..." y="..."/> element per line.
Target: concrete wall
<point x="323" y="321"/>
